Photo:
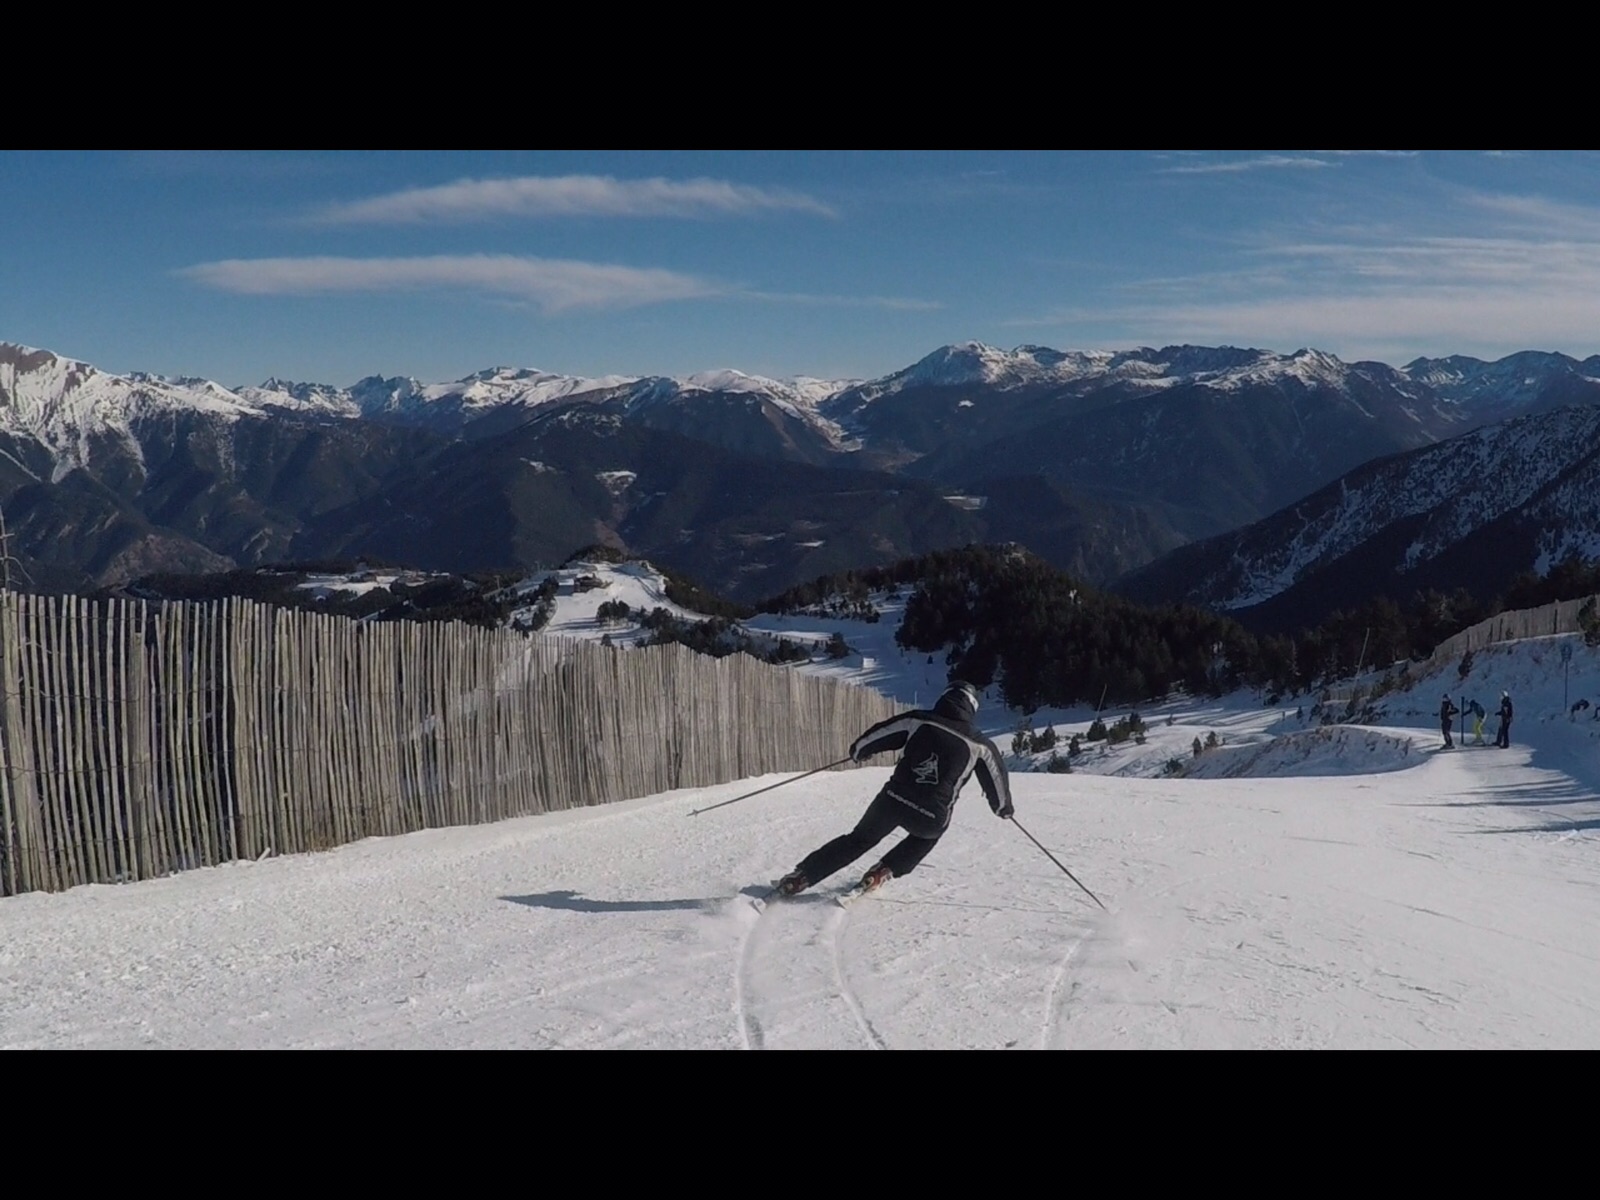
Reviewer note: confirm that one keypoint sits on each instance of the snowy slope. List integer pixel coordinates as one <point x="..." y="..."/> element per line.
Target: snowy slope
<point x="64" y="404"/>
<point x="873" y="659"/>
<point x="636" y="584"/>
<point x="1542" y="469"/>
<point x="1450" y="904"/>
<point x="1461" y="485"/>
<point x="1299" y="886"/>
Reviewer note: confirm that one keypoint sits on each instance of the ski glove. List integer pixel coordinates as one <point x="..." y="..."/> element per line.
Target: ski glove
<point x="1004" y="811"/>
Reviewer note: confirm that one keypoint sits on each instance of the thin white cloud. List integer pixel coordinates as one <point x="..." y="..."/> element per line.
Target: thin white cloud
<point x="898" y="303"/>
<point x="1265" y="162"/>
<point x="1489" y="263"/>
<point x="1526" y="273"/>
<point x="530" y="197"/>
<point x="1539" y="217"/>
<point x="1392" y="327"/>
<point x="1362" y="326"/>
<point x="555" y="285"/>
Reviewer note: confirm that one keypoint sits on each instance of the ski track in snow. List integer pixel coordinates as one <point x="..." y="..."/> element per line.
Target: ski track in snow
<point x="1048" y="1038"/>
<point x="749" y="1030"/>
<point x="785" y="941"/>
<point x="836" y="923"/>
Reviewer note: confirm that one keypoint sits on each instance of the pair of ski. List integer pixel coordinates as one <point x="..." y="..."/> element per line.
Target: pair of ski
<point x="843" y="899"/>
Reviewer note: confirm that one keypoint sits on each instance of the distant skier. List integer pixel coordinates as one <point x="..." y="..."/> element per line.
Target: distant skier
<point x="1503" y="737"/>
<point x="1447" y="709"/>
<point x="943" y="749"/>
<point x="1478" y="714"/>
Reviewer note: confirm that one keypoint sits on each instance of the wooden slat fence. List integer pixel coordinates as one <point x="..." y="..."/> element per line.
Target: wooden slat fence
<point x="1558" y="617"/>
<point x="140" y="739"/>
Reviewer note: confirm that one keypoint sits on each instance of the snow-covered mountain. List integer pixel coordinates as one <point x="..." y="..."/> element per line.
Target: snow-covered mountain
<point x="105" y="476"/>
<point x="970" y="363"/>
<point x="444" y="407"/>
<point x="1130" y="452"/>
<point x="60" y="401"/>
<point x="1524" y="382"/>
<point x="1458" y="387"/>
<point x="451" y="406"/>
<point x="1204" y="439"/>
<point x="725" y="407"/>
<point x="66" y="406"/>
<point x="1470" y="512"/>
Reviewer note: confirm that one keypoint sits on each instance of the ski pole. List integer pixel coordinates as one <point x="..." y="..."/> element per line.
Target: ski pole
<point x="1057" y="861"/>
<point x="696" y="812"/>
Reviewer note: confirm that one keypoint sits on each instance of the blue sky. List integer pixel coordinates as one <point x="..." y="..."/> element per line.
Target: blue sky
<point x="328" y="267"/>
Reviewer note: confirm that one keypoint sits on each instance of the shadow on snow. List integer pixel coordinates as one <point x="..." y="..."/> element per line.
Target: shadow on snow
<point x="1525" y="795"/>
<point x="1550" y="827"/>
<point x="573" y="902"/>
<point x="1574" y="786"/>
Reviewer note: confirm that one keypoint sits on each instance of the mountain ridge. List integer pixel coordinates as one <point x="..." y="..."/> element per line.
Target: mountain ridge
<point x="1138" y="451"/>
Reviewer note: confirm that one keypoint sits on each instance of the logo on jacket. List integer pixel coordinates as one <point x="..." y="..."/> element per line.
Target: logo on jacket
<point x="928" y="770"/>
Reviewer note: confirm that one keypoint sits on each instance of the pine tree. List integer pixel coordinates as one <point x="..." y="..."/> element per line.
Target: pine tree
<point x="1589" y="622"/>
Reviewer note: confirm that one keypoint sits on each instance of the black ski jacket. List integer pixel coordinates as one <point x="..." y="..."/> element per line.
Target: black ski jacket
<point x="941" y="754"/>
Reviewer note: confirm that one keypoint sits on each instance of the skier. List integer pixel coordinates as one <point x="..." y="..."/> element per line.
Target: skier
<point x="1446" y="711"/>
<point x="1477" y="712"/>
<point x="1503" y="737"/>
<point x="943" y="749"/>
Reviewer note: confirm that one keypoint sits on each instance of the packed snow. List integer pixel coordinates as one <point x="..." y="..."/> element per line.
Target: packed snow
<point x="582" y="587"/>
<point x="1298" y="885"/>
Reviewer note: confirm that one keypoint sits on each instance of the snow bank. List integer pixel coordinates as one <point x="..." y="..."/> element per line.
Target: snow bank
<point x="1329" y="750"/>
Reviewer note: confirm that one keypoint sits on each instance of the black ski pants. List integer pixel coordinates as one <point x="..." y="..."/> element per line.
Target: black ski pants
<point x="883" y="816"/>
<point x="1502" y="737"/>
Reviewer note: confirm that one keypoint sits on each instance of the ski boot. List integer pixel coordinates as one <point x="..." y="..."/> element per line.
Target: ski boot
<point x="875" y="878"/>
<point x="870" y="882"/>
